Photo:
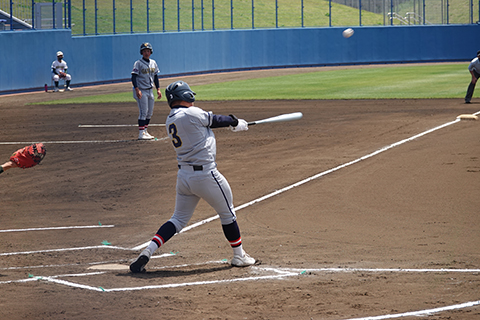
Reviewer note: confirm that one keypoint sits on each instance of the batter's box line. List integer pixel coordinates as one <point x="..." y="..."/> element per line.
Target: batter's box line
<point x="55" y="279"/>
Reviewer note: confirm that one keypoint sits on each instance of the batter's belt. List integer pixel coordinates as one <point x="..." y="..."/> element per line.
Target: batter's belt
<point x="197" y="167"/>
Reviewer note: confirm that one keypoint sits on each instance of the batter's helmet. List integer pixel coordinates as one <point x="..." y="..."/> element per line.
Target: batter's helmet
<point x="146" y="45"/>
<point x="179" y="90"/>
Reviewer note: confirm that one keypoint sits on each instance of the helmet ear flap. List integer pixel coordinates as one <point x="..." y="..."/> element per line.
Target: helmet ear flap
<point x="189" y="96"/>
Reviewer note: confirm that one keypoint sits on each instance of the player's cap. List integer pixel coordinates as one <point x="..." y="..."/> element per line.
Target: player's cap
<point x="478" y="53"/>
<point x="59" y="53"/>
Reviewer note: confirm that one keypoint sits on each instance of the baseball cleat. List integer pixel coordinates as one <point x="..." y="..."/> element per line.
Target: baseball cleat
<point x="138" y="266"/>
<point x="148" y="135"/>
<point x="69" y="89"/>
<point x="143" y="136"/>
<point x="244" y="261"/>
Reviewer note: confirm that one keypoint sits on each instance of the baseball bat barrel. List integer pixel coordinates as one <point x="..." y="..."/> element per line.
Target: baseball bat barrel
<point x="279" y="118"/>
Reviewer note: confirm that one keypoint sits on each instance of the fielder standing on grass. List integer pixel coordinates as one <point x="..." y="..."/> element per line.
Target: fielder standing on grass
<point x="474" y="68"/>
<point x="190" y="130"/>
<point x="144" y="77"/>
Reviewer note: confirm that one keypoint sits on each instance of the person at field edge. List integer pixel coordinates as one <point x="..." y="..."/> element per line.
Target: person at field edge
<point x="144" y="77"/>
<point x="190" y="130"/>
<point x="474" y="68"/>
<point x="59" y="71"/>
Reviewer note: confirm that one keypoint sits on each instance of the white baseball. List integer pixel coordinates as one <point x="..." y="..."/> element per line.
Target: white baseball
<point x="347" y="33"/>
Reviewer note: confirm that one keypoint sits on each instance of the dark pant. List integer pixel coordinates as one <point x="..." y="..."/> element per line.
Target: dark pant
<point x="471" y="88"/>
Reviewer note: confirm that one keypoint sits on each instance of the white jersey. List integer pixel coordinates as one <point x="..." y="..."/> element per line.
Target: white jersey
<point x="191" y="135"/>
<point x="59" y="66"/>
<point x="474" y="65"/>
<point x="145" y="71"/>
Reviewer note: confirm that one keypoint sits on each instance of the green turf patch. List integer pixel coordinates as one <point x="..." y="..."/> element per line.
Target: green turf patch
<point x="386" y="82"/>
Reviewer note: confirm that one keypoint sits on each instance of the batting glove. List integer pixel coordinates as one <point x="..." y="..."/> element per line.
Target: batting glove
<point x="241" y="126"/>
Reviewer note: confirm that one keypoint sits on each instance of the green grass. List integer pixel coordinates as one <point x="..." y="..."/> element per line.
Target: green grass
<point x="383" y="82"/>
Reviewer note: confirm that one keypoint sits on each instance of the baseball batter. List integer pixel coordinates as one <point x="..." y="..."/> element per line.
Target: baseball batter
<point x="144" y="77"/>
<point x="474" y="68"/>
<point x="59" y="71"/>
<point x="190" y="130"/>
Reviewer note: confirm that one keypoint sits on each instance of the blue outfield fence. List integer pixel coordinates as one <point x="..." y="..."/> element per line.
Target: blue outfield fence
<point x="95" y="17"/>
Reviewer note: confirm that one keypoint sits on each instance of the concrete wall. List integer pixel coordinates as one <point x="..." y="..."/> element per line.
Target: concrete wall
<point x="26" y="56"/>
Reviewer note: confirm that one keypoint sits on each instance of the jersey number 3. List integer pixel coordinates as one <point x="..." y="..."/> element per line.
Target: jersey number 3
<point x="172" y="129"/>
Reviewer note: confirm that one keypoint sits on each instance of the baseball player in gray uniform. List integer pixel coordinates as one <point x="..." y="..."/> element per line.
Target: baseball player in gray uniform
<point x="144" y="77"/>
<point x="59" y="71"/>
<point x="474" y="68"/>
<point x="190" y="130"/>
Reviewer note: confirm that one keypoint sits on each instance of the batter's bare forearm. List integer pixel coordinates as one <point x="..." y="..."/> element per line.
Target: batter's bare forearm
<point x="7" y="165"/>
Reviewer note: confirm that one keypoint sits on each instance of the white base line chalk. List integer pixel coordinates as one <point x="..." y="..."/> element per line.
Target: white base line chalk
<point x="58" y="228"/>
<point x="63" y="249"/>
<point x="78" y="141"/>
<point x="116" y="125"/>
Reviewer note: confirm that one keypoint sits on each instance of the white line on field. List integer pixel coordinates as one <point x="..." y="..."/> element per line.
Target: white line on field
<point x="422" y="312"/>
<point x="63" y="249"/>
<point x="58" y="228"/>
<point x="77" y="141"/>
<point x="443" y="270"/>
<point x="116" y="125"/>
<point x="393" y="145"/>
<point x="278" y="273"/>
<point x="163" y="255"/>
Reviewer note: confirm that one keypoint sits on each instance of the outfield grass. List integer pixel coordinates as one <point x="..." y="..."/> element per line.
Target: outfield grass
<point x="383" y="82"/>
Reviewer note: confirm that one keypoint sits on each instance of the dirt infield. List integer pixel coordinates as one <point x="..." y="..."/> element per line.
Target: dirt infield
<point x="364" y="234"/>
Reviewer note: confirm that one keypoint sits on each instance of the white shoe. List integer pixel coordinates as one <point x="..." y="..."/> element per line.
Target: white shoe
<point x="244" y="261"/>
<point x="55" y="90"/>
<point x="143" y="136"/>
<point x="148" y="134"/>
<point x="69" y="89"/>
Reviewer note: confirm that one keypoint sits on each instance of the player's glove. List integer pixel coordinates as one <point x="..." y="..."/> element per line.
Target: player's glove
<point x="29" y="156"/>
<point x="241" y="126"/>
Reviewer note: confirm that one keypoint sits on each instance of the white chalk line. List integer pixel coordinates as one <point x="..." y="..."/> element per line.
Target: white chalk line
<point x="64" y="249"/>
<point x="116" y="125"/>
<point x="393" y="145"/>
<point x="280" y="273"/>
<point x="78" y="141"/>
<point x="422" y="312"/>
<point x="58" y="228"/>
<point x="84" y="264"/>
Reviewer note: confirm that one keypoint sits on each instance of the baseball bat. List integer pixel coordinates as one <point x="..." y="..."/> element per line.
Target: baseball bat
<point x="279" y="118"/>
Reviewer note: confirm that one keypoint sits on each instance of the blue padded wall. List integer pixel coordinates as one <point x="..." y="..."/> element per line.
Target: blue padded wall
<point x="26" y="56"/>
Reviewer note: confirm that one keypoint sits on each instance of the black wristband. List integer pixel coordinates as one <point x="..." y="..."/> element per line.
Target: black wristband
<point x="235" y="119"/>
<point x="1" y="169"/>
